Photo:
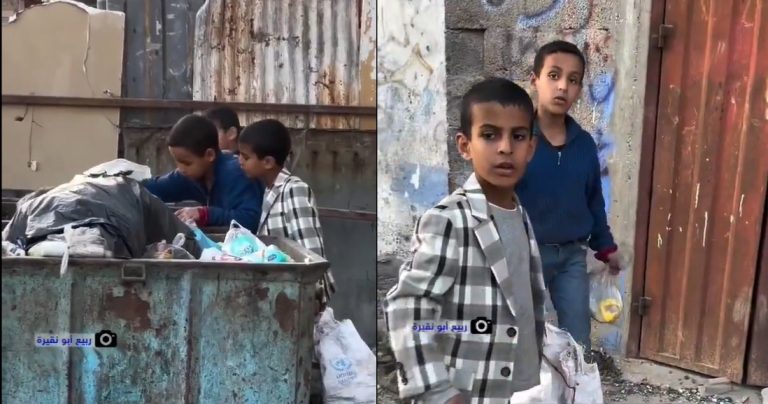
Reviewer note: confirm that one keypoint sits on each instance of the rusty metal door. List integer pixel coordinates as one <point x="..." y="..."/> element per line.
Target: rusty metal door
<point x="757" y="359"/>
<point x="709" y="185"/>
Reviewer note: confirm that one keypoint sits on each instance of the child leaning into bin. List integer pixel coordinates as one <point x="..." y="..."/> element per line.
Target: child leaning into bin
<point x="289" y="206"/>
<point x="562" y="189"/>
<point x="475" y="262"/>
<point x="206" y="175"/>
<point x="228" y="127"/>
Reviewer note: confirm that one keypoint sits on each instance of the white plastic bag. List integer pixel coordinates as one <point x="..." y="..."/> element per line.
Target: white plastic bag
<point x="347" y="364"/>
<point x="604" y="297"/>
<point x="137" y="171"/>
<point x="83" y="242"/>
<point x="240" y="242"/>
<point x="12" y="250"/>
<point x="565" y="377"/>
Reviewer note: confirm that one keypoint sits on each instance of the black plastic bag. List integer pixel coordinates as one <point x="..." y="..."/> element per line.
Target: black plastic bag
<point x="127" y="214"/>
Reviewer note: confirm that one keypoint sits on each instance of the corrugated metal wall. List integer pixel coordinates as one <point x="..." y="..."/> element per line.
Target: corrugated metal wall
<point x="709" y="185"/>
<point x="280" y="51"/>
<point x="159" y="49"/>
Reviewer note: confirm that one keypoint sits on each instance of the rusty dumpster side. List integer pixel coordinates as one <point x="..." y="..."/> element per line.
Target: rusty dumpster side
<point x="188" y="332"/>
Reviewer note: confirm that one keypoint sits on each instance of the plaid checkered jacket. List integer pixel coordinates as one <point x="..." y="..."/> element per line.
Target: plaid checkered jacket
<point x="458" y="272"/>
<point x="289" y="211"/>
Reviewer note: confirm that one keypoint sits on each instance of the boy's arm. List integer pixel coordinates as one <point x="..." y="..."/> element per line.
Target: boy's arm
<point x="246" y="209"/>
<point x="171" y="187"/>
<point x="601" y="240"/>
<point x="303" y="224"/>
<point x="418" y="296"/>
<point x="302" y="218"/>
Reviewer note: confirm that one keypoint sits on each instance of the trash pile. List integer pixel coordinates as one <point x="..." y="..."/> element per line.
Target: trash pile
<point x="106" y="213"/>
<point x="101" y="216"/>
<point x="240" y="245"/>
<point x="347" y="365"/>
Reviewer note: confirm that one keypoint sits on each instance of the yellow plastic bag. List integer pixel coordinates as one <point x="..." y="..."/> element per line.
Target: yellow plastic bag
<point x="604" y="297"/>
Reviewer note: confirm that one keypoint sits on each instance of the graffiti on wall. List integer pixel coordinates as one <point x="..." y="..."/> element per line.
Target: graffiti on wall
<point x="572" y="20"/>
<point x="411" y="124"/>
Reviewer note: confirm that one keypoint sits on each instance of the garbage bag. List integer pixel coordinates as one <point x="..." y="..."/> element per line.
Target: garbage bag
<point x="83" y="242"/>
<point x="240" y="242"/>
<point x="12" y="250"/>
<point x="565" y="376"/>
<point x="127" y="215"/>
<point x="120" y="167"/>
<point x="347" y="364"/>
<point x="605" y="301"/>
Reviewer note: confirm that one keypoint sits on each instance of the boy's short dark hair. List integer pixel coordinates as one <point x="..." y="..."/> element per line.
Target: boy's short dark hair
<point x="496" y="89"/>
<point x="268" y="137"/>
<point x="225" y="117"/>
<point x="557" y="47"/>
<point x="195" y="133"/>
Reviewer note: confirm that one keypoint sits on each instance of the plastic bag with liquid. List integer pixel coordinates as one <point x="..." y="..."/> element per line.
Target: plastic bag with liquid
<point x="605" y="301"/>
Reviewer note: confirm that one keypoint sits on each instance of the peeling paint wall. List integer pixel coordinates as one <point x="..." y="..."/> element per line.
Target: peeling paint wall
<point x="368" y="60"/>
<point x="277" y="51"/>
<point x="412" y="155"/>
<point x="500" y="38"/>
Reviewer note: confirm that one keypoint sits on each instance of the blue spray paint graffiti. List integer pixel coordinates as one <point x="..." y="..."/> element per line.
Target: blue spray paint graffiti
<point x="538" y="19"/>
<point x="423" y="186"/>
<point x="602" y="96"/>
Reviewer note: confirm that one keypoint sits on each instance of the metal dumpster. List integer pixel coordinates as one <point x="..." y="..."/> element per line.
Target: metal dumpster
<point x="187" y="331"/>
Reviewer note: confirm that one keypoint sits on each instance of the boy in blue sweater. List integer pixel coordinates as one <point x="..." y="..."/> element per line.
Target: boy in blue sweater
<point x="562" y="191"/>
<point x="206" y="175"/>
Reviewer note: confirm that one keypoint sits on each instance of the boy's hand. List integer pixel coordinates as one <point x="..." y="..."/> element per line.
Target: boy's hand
<point x="188" y="214"/>
<point x="457" y="399"/>
<point x="614" y="263"/>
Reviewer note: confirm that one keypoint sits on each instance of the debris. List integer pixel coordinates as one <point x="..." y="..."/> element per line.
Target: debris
<point x="718" y="380"/>
<point x="715" y="386"/>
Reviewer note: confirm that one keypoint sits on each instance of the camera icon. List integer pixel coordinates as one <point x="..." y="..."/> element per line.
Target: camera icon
<point x="105" y="339"/>
<point x="481" y="325"/>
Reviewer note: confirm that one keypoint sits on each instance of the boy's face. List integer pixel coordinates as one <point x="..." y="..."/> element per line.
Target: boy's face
<point x="559" y="83"/>
<point x="500" y="145"/>
<point x="227" y="138"/>
<point x="190" y="164"/>
<point x="253" y="166"/>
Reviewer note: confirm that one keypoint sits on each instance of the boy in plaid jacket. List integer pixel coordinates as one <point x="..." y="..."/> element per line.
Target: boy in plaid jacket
<point x="475" y="262"/>
<point x="289" y="206"/>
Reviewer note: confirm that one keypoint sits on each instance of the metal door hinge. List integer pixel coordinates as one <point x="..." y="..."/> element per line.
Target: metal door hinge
<point x="642" y="305"/>
<point x="665" y="30"/>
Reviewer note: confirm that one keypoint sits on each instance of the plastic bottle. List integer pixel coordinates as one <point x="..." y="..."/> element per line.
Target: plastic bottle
<point x="202" y="240"/>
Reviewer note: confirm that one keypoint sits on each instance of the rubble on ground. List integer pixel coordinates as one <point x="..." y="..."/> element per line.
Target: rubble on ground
<point x="618" y="389"/>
